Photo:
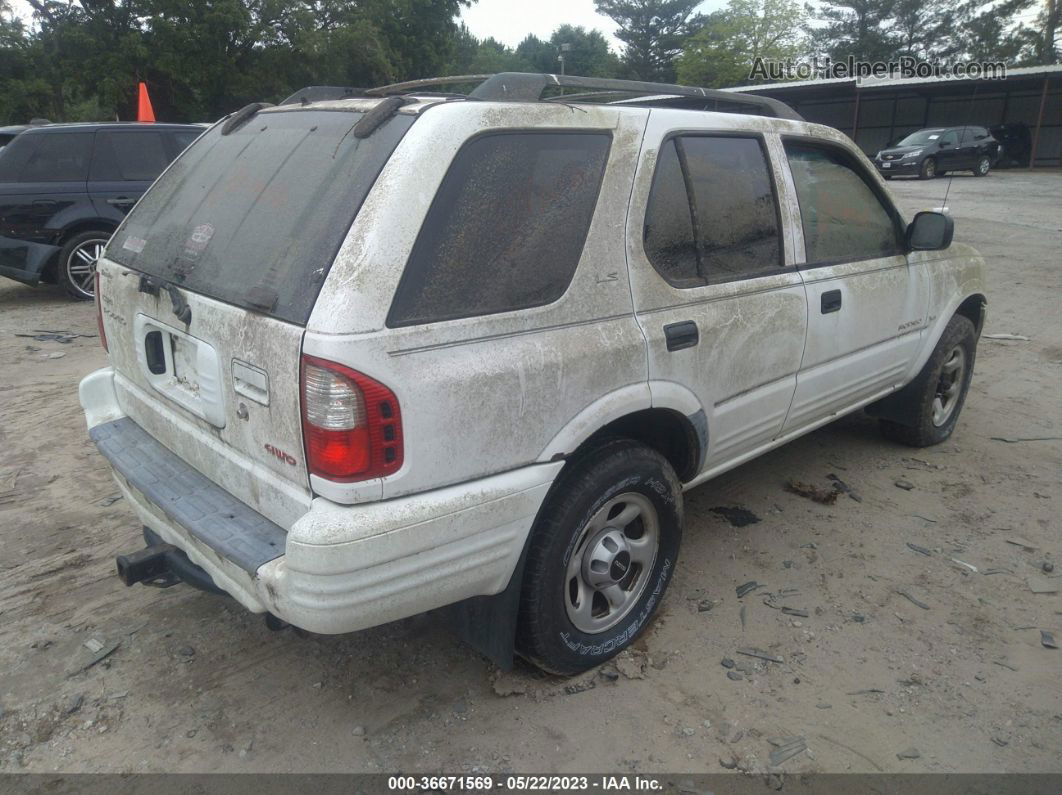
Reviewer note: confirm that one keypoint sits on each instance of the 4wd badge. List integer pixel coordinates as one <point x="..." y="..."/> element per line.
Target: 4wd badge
<point x="285" y="457"/>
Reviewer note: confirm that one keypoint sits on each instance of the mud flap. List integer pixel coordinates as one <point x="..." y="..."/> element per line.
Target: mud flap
<point x="24" y="261"/>
<point x="488" y="623"/>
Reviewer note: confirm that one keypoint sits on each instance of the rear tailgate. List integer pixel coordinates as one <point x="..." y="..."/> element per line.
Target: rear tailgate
<point x="207" y="286"/>
<point x="225" y="394"/>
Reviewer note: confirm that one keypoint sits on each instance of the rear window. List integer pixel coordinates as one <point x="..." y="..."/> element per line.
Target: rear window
<point x="506" y="229"/>
<point x="255" y="218"/>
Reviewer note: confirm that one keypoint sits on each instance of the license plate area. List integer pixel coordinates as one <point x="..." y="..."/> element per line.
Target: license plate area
<point x="184" y="369"/>
<point x="886" y="165"/>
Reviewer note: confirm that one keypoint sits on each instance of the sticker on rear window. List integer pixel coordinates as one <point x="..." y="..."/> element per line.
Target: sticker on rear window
<point x="134" y="244"/>
<point x="198" y="240"/>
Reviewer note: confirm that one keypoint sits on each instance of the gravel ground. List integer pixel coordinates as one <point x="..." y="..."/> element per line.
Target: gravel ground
<point x="872" y="680"/>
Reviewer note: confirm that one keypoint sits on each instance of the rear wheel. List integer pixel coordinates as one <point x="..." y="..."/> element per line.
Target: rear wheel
<point x="935" y="398"/>
<point x="77" y="263"/>
<point x="928" y="169"/>
<point x="602" y="553"/>
<point x="984" y="165"/>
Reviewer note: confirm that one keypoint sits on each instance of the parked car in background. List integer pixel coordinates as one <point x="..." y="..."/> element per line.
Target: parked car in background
<point x="64" y="188"/>
<point x="374" y="356"/>
<point x="7" y="134"/>
<point x="935" y="151"/>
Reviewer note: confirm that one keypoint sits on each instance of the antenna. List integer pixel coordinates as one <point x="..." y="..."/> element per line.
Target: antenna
<point x="966" y="125"/>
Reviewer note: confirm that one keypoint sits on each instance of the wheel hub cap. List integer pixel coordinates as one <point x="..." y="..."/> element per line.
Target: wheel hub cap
<point x="610" y="563"/>
<point x="949" y="386"/>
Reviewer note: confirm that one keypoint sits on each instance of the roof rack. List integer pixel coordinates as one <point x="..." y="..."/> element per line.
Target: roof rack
<point x="529" y="87"/>
<point x="322" y="94"/>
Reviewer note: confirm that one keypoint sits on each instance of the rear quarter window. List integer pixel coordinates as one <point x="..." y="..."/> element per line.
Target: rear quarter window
<point x="50" y="157"/>
<point x="506" y="228"/>
<point x="133" y="155"/>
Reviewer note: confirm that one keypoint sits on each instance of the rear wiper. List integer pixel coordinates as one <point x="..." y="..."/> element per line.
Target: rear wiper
<point x="180" y="306"/>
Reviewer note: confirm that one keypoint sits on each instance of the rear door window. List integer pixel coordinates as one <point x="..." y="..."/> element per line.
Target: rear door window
<point x="843" y="217"/>
<point x="133" y="155"/>
<point x="255" y="218"/>
<point x="506" y="228"/>
<point x="57" y="157"/>
<point x="712" y="214"/>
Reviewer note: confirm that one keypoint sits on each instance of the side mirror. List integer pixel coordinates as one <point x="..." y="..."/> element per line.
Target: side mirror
<point x="941" y="144"/>
<point x="930" y="231"/>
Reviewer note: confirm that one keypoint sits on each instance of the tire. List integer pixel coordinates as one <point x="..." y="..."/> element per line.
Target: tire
<point x="983" y="166"/>
<point x="928" y="169"/>
<point x="77" y="263"/>
<point x="580" y="552"/>
<point x="945" y="378"/>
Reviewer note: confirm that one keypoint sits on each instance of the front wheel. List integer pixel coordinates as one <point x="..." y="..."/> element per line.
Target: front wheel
<point x="928" y="169"/>
<point x="77" y="263"/>
<point x="602" y="553"/>
<point x="933" y="401"/>
<point x="984" y="165"/>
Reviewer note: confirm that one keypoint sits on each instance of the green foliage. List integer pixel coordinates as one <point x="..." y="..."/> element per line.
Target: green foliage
<point x="722" y="52"/>
<point x="653" y="32"/>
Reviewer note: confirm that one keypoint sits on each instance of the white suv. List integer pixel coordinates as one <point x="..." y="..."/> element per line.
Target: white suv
<point x="377" y="354"/>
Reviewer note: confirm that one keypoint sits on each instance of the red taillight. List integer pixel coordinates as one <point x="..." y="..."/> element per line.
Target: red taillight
<point x="99" y="314"/>
<point x="351" y="423"/>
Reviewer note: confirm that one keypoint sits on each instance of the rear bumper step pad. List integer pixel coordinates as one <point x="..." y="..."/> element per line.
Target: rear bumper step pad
<point x="209" y="513"/>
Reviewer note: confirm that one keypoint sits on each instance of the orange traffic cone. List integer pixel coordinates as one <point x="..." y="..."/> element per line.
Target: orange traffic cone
<point x="144" y="111"/>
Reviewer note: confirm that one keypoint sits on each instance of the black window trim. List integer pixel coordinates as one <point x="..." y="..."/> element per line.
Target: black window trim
<point x="390" y="321"/>
<point x="701" y="132"/>
<point x="898" y="224"/>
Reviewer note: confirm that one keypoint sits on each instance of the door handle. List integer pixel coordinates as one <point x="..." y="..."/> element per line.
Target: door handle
<point x="831" y="301"/>
<point x="681" y="335"/>
<point x="121" y="201"/>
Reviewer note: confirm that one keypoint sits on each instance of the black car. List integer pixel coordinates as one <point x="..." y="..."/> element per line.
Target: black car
<point x="935" y="151"/>
<point x="64" y="188"/>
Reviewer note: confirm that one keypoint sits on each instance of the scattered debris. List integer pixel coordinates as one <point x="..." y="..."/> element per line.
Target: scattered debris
<point x="742" y="617"/>
<point x="736" y="515"/>
<point x="705" y="605"/>
<point x="999" y="741"/>
<point x="1019" y="337"/>
<point x="358" y="731"/>
<point x="986" y="572"/>
<point x="1018" y="541"/>
<point x="910" y="753"/>
<point x="843" y="488"/>
<point x="1005" y="665"/>
<point x="631" y="664"/>
<point x="1047" y="639"/>
<point x="1017" y="439"/>
<point x="965" y="564"/>
<point x="1047" y="567"/>
<point x="821" y="496"/>
<point x="919" y="550"/>
<point x="795" y="611"/>
<point x="737" y="676"/>
<point x="55" y="355"/>
<point x="93" y="644"/>
<point x="748" y="587"/>
<point x="728" y="764"/>
<point x="862" y="756"/>
<point x="726" y="662"/>
<point x="1041" y="585"/>
<point x="73" y="704"/>
<point x="906" y="485"/>
<point x="913" y="600"/>
<point x="64" y="337"/>
<point x="762" y="655"/>
<point x="509" y="683"/>
<point x="83" y="664"/>
<point x="108" y="501"/>
<point x="865" y="692"/>
<point x="786" y="748"/>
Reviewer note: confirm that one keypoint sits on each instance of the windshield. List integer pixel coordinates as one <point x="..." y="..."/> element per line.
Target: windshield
<point x="920" y="138"/>
<point x="255" y="218"/>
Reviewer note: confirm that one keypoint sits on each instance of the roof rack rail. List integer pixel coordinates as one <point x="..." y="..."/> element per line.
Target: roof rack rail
<point x="322" y="94"/>
<point x="529" y="87"/>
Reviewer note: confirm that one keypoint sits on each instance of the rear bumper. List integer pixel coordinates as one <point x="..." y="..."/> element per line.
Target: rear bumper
<point x="338" y="568"/>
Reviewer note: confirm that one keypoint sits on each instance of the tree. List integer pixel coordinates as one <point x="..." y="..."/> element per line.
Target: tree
<point x="987" y="31"/>
<point x="854" y="28"/>
<point x="588" y="53"/>
<point x="1048" y="46"/>
<point x="652" y="32"/>
<point x="723" y="51"/>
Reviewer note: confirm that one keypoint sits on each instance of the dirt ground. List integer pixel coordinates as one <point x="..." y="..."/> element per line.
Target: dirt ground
<point x="962" y="683"/>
